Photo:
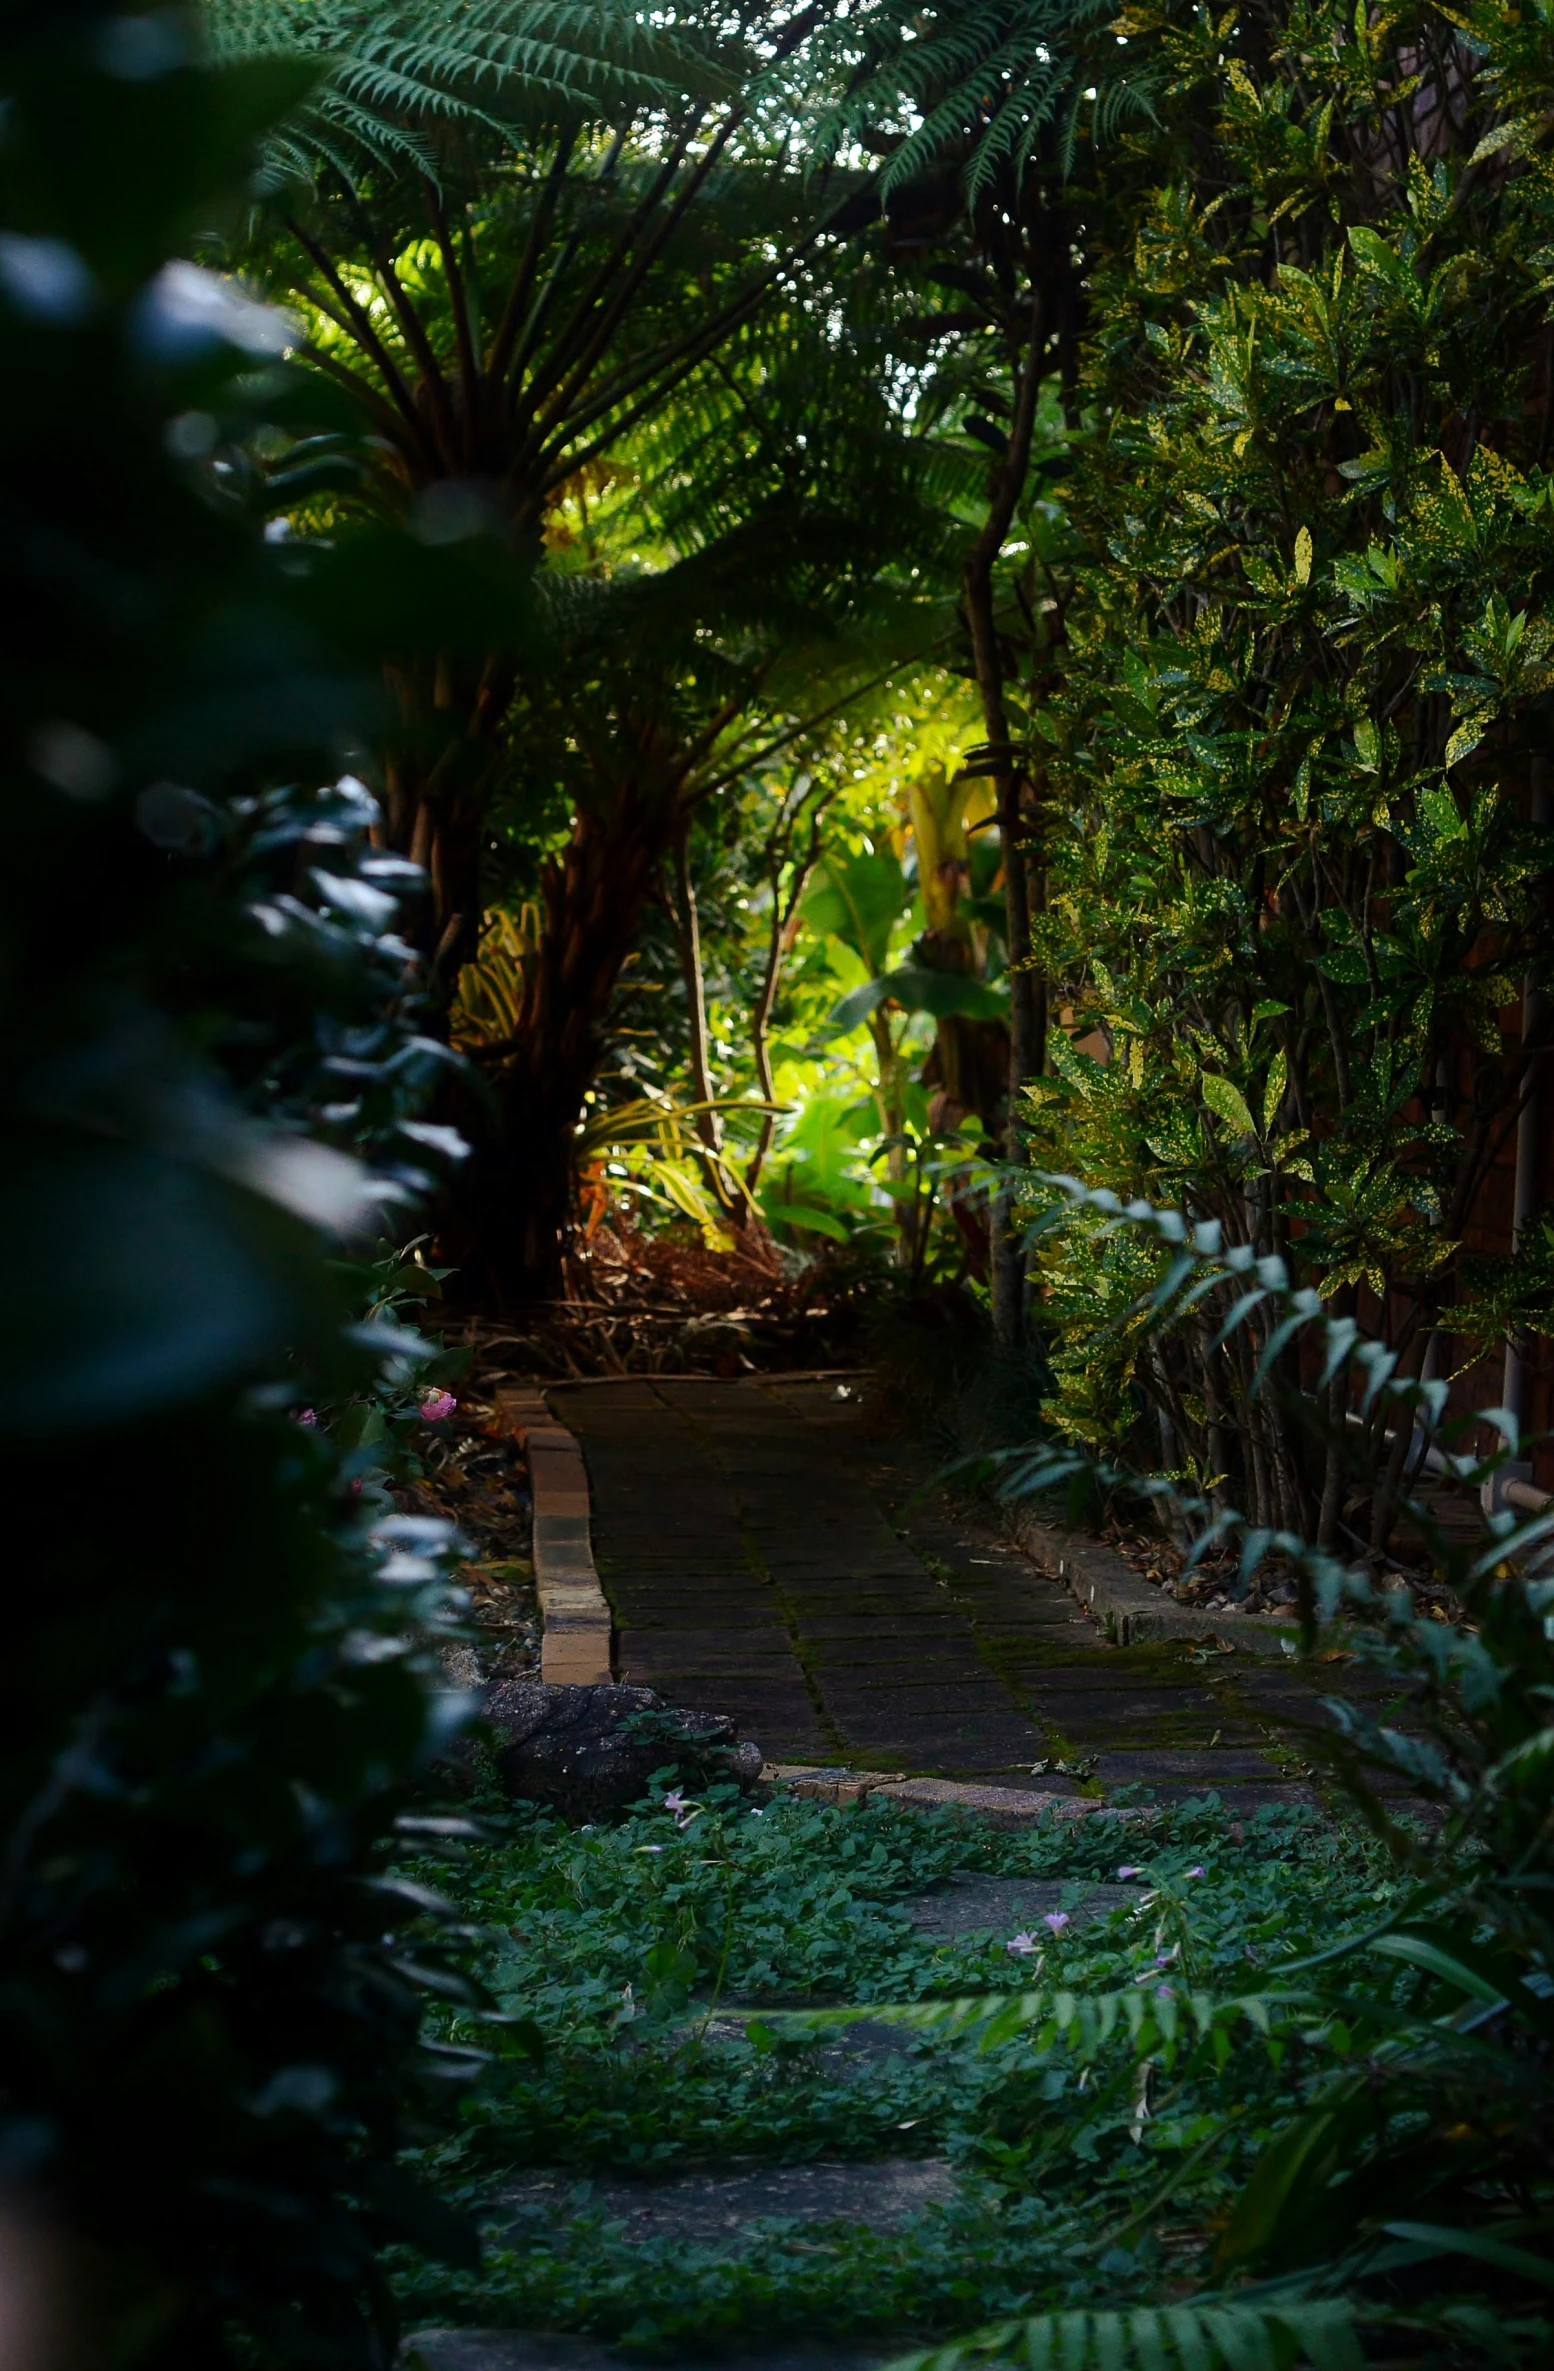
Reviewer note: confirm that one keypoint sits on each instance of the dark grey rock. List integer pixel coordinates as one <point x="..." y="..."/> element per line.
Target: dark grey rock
<point x="1005" y="1906"/>
<point x="590" y="1751"/>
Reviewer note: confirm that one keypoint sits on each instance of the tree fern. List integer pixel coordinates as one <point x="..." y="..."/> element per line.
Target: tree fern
<point x="1211" y="2335"/>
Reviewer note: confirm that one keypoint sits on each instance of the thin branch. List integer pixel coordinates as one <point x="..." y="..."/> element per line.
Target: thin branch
<point x="808" y="724"/>
<point x="414" y="330"/>
<point x="508" y="327"/>
<point x="545" y="414"/>
<point x="462" y="299"/>
<point x="359" y="323"/>
<point x="778" y="849"/>
<point x="598" y="287"/>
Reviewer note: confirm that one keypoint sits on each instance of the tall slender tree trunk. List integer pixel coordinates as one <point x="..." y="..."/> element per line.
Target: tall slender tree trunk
<point x="689" y="921"/>
<point x="1027" y="1013"/>
<point x="783" y="924"/>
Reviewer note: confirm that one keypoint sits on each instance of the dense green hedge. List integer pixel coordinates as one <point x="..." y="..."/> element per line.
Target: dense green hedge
<point x="1297" y="841"/>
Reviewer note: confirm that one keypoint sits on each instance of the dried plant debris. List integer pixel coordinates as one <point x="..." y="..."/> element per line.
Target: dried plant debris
<point x="670" y="1304"/>
<point x="1213" y="1584"/>
<point x="476" y="1477"/>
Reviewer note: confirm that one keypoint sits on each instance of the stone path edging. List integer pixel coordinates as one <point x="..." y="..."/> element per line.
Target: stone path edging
<point x="830" y="1785"/>
<point x="1131" y="1611"/>
<point x="575" y="1644"/>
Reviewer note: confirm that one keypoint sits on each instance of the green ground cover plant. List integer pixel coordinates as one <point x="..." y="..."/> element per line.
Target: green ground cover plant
<point x="665" y="1973"/>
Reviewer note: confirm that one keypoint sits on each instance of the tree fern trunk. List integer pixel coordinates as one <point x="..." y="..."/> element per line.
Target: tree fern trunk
<point x="514" y="1199"/>
<point x="440" y="770"/>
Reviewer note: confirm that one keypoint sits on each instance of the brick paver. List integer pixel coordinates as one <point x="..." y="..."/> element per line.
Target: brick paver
<point x="761" y="1560"/>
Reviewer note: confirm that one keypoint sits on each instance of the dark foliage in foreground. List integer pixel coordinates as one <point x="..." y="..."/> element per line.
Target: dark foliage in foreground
<point x="209" y="2044"/>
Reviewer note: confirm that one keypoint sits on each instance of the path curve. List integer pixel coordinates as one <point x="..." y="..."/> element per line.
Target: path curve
<point x="754" y="1542"/>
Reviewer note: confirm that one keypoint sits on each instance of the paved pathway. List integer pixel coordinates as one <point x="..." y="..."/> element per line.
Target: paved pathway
<point x="760" y="1558"/>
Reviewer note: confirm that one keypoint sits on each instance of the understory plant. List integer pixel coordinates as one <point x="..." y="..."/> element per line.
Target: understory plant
<point x="1412" y="2194"/>
<point x="1295" y="820"/>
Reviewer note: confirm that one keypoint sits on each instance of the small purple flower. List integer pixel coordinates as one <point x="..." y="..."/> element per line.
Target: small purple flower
<point x="1022" y="1945"/>
<point x="437" y="1407"/>
<point x="1200" y="1871"/>
<point x="1163" y="1992"/>
<point x="305" y="1416"/>
<point x="683" y="1812"/>
<point x="1057" y="1920"/>
<point x="1129" y="1870"/>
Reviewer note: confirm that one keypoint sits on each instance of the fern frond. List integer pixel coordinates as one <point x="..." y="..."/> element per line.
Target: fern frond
<point x="978" y="84"/>
<point x="392" y="73"/>
<point x="1156" y="2022"/>
<point x="1209" y="2336"/>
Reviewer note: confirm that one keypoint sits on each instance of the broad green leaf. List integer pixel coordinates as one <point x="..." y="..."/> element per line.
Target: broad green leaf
<point x="1373" y="254"/>
<point x="855" y="1007"/>
<point x="1482" y="2246"/>
<point x="918" y="988"/>
<point x="859" y="899"/>
<point x="1440" y="811"/>
<point x="1258" y="2209"/>
<point x="1422" y="1951"/>
<point x="809" y="1215"/>
<point x="1228" y="1104"/>
<point x="1273" y="1092"/>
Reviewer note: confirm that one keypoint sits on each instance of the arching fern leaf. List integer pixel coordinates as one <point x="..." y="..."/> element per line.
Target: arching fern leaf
<point x="392" y="73"/>
<point x="1212" y="2335"/>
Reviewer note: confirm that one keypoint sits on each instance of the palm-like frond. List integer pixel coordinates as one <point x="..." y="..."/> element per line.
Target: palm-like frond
<point x="982" y="84"/>
<point x="1212" y="2335"/>
<point x="1152" y="2024"/>
<point x="391" y="73"/>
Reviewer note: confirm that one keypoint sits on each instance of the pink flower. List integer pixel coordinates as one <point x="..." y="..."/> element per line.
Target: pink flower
<point x="437" y="1407"/>
<point x="1022" y="1946"/>
<point x="1163" y="1992"/>
<point x="1198" y="1872"/>
<point x="304" y="1416"/>
<point x="1057" y="1920"/>
<point x="1128" y="1870"/>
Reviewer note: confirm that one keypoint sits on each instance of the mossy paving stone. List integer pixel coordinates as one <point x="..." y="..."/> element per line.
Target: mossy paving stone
<point x="971" y="1904"/>
<point x="717" y="2213"/>
<point x="749" y="1537"/>
<point x="722" y="2208"/>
